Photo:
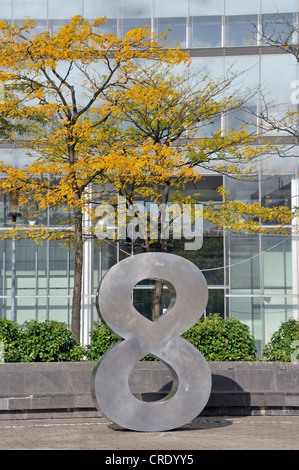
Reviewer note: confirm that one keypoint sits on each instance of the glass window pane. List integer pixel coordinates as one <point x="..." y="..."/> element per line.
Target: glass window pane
<point x="164" y="9"/>
<point x="278" y="72"/>
<point x="136" y="13"/>
<point x="243" y="191"/>
<point x="210" y="258"/>
<point x="248" y="311"/>
<point x="176" y="24"/>
<point x="206" y="7"/>
<point x="276" y="26"/>
<point x="25" y="309"/>
<point x="243" y="263"/>
<point x="235" y="7"/>
<point x="285" y="165"/>
<point x="176" y="30"/>
<point x="36" y="9"/>
<point x="277" y="263"/>
<point x="42" y="269"/>
<point x="246" y="82"/>
<point x="64" y="10"/>
<point x="100" y="8"/>
<point x="276" y="191"/>
<point x="108" y="256"/>
<point x="215" y="302"/>
<point x="206" y="31"/>
<point x="241" y="30"/>
<point x="213" y="67"/>
<point x="132" y="23"/>
<point x="41" y="309"/>
<point x="59" y="309"/>
<point x="137" y="8"/>
<point x="15" y="157"/>
<point x="276" y="311"/>
<point x="6" y="10"/>
<point x="281" y="6"/>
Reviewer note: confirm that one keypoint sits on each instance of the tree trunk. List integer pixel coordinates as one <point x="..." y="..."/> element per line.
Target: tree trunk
<point x="78" y="268"/>
<point x="157" y="300"/>
<point x="162" y="246"/>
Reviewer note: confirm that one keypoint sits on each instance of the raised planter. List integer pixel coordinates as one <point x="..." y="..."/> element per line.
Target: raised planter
<point x="30" y="390"/>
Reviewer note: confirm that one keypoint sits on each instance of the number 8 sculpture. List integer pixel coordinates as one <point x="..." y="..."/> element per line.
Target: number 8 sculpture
<point x="162" y="338"/>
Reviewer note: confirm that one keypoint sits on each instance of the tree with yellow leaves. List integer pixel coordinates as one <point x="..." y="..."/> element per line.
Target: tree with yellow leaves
<point x="60" y="81"/>
<point x="167" y="136"/>
<point x="116" y="113"/>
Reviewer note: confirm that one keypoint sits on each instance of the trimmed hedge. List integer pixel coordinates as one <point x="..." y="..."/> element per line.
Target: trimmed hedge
<point x="284" y="343"/>
<point x="49" y="341"/>
<point x="101" y="340"/>
<point x="217" y="339"/>
<point x="222" y="340"/>
<point x="10" y="336"/>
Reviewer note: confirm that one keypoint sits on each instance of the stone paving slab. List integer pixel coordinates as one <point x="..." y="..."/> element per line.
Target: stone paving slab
<point x="223" y="433"/>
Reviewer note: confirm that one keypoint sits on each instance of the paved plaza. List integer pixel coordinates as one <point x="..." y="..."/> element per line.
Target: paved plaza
<point x="223" y="433"/>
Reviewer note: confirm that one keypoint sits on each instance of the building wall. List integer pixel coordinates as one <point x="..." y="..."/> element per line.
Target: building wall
<point x="253" y="277"/>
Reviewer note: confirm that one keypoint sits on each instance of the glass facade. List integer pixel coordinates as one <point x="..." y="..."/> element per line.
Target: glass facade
<point x="252" y="277"/>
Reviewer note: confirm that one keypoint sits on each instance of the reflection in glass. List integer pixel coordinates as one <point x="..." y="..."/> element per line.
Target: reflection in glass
<point x="215" y="302"/>
<point x="6" y="10"/>
<point x="243" y="117"/>
<point x="235" y="7"/>
<point x="276" y="310"/>
<point x="166" y="8"/>
<point x="205" y="7"/>
<point x="172" y="16"/>
<point x="136" y="13"/>
<point x="206" y="31"/>
<point x="277" y="27"/>
<point x="276" y="191"/>
<point x="36" y="9"/>
<point x="277" y="263"/>
<point x="137" y="8"/>
<point x="243" y="252"/>
<point x="131" y="23"/>
<point x="275" y="6"/>
<point x="241" y="30"/>
<point x="64" y="10"/>
<point x="244" y="191"/>
<point x="176" y="30"/>
<point x="248" y="311"/>
<point x="277" y="74"/>
<point x="100" y="8"/>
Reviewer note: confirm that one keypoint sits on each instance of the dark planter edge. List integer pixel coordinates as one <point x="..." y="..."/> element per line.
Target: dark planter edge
<point x="62" y="389"/>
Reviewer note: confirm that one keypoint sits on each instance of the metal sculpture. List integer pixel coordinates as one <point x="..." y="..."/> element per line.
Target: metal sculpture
<point x="162" y="338"/>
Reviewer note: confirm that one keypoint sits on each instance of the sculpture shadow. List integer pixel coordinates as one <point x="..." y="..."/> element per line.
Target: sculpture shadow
<point x="227" y="399"/>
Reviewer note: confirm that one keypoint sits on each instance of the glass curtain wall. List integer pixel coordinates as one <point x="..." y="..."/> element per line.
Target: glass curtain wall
<point x="192" y="23"/>
<point x="260" y="266"/>
<point x="253" y="277"/>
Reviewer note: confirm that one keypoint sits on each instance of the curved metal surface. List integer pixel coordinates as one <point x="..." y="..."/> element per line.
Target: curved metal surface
<point x="162" y="338"/>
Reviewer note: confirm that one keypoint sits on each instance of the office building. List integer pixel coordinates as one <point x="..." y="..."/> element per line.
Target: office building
<point x="252" y="277"/>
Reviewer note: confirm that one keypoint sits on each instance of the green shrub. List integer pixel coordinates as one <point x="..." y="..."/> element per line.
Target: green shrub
<point x="49" y="341"/>
<point x="222" y="340"/>
<point x="101" y="339"/>
<point x="216" y="339"/>
<point x="280" y="346"/>
<point x="10" y="336"/>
